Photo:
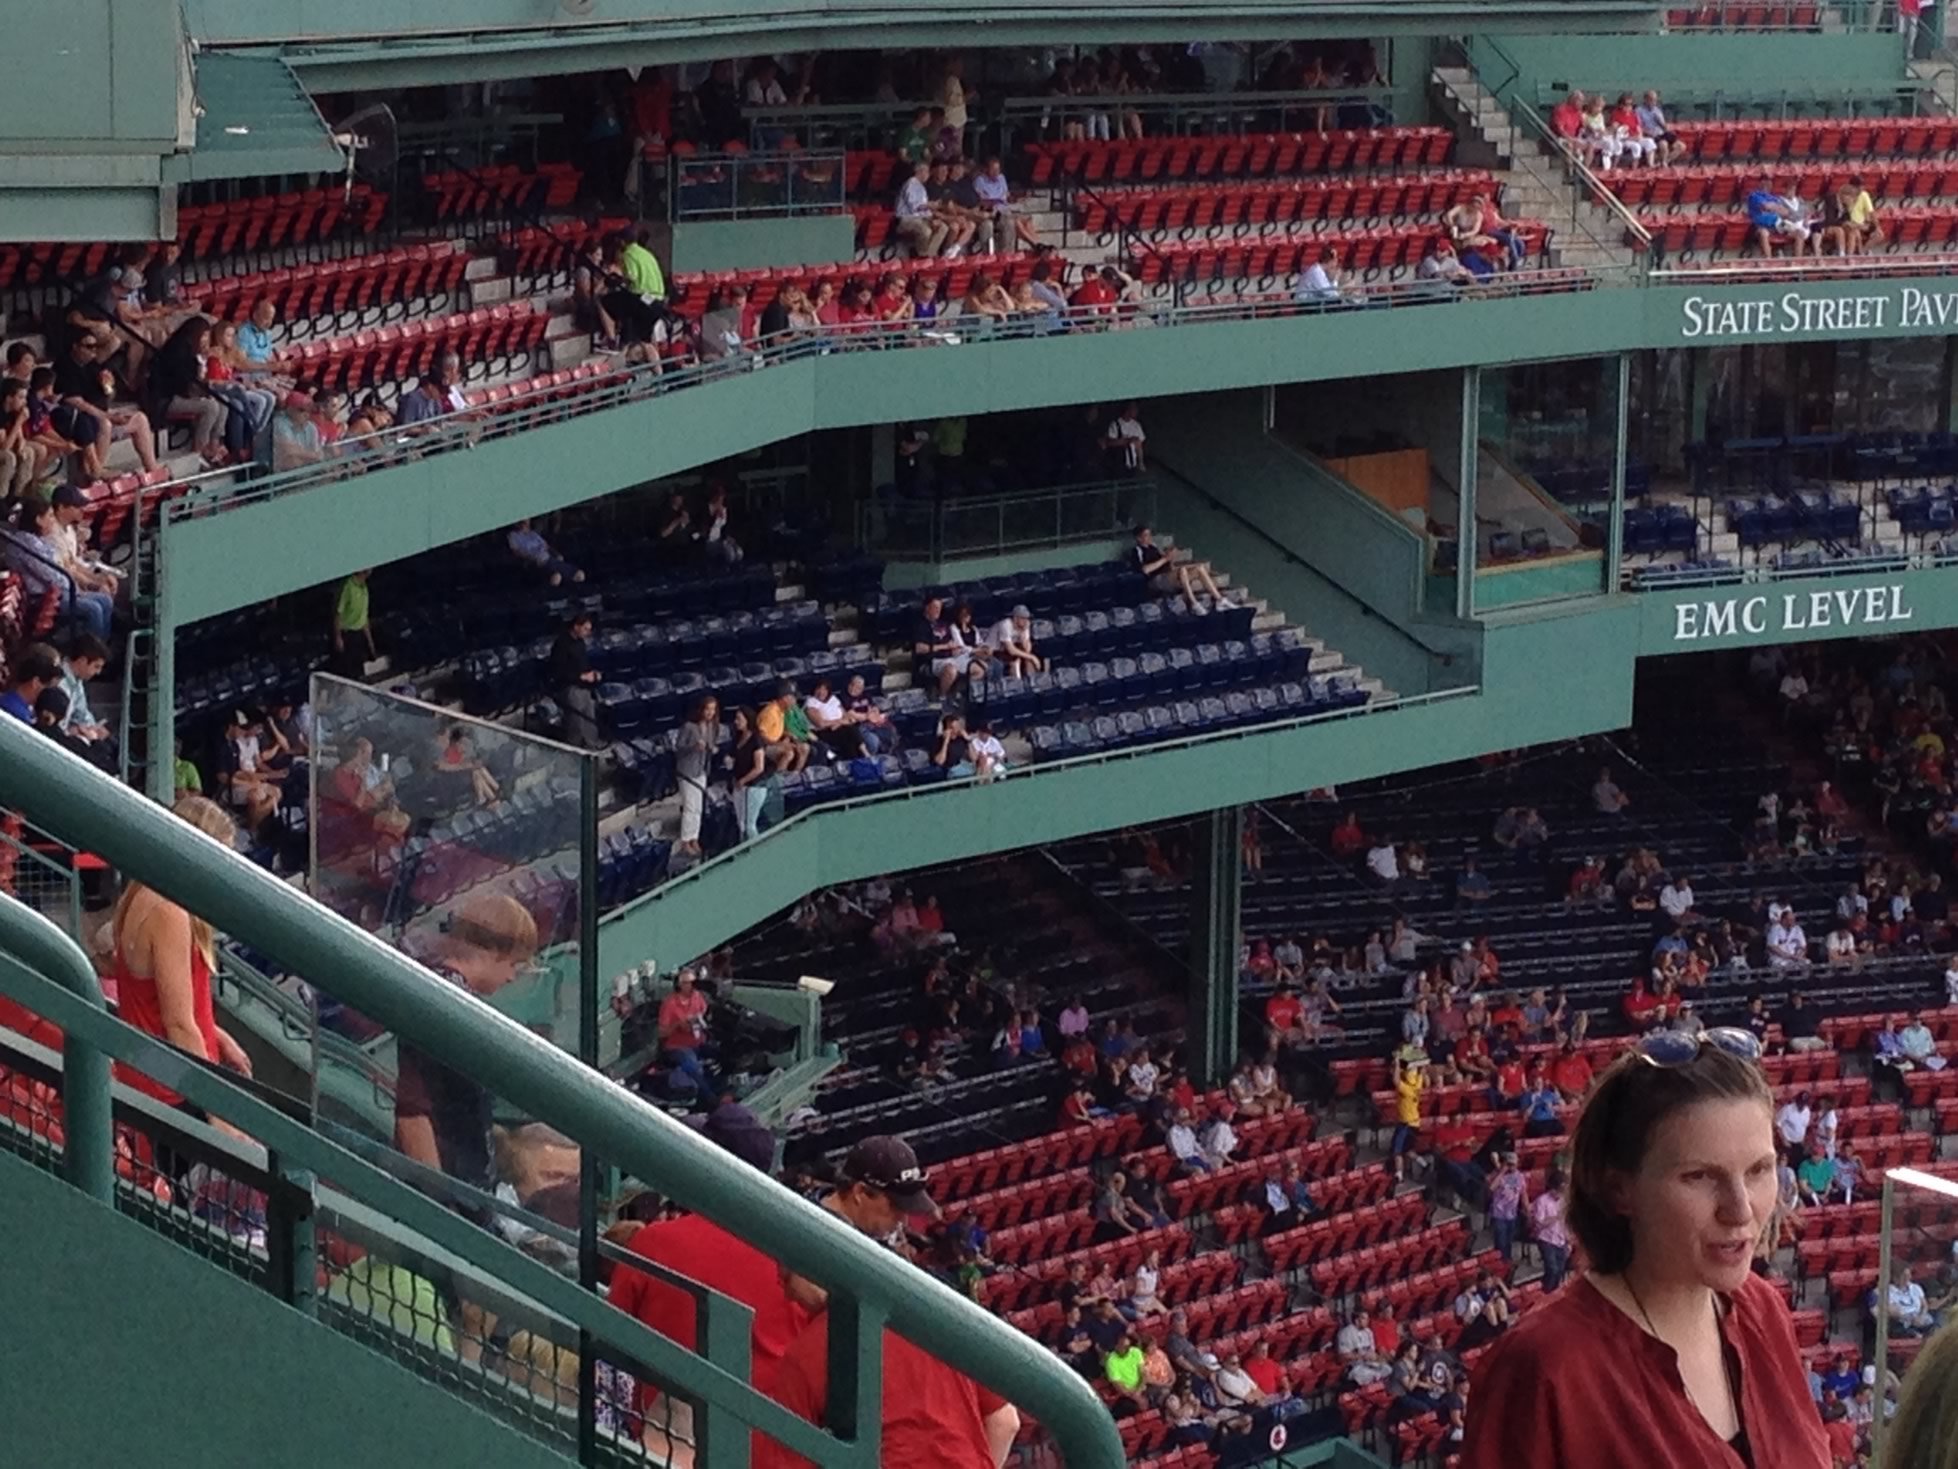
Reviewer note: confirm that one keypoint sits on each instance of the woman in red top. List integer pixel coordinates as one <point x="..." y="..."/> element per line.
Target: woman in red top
<point x="1670" y="1353"/>
<point x="162" y="966"/>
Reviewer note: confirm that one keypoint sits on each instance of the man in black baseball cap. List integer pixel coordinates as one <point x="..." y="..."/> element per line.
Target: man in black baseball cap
<point x="932" y="1414"/>
<point x="882" y="1176"/>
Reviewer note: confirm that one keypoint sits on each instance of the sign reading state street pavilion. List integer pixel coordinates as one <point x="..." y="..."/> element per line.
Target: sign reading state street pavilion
<point x="1763" y="613"/>
<point x="1805" y="313"/>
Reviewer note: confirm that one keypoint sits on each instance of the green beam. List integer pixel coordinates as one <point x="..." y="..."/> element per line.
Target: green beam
<point x="1215" y="901"/>
<point x="267" y="547"/>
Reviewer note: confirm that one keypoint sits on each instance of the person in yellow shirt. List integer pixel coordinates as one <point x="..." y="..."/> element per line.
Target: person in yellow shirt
<point x="1850" y="218"/>
<point x="1410" y="1080"/>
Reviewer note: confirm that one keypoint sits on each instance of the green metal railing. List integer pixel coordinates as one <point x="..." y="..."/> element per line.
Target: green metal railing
<point x="51" y="884"/>
<point x="870" y="1287"/>
<point x="1061" y="515"/>
<point x="759" y="185"/>
<point x="1193" y="112"/>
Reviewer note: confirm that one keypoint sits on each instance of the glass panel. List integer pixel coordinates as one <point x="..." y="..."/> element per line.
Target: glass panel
<point x="1905" y="1310"/>
<point x="459" y="841"/>
<point x="1547" y="443"/>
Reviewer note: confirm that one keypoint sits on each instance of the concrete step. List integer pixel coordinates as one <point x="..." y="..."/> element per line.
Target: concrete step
<point x="1327" y="661"/>
<point x="492" y="290"/>
<point x="481" y="268"/>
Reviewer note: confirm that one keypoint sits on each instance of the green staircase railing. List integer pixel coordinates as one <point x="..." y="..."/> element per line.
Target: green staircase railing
<point x="288" y="1161"/>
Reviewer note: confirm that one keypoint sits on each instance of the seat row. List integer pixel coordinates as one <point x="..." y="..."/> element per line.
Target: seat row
<point x="400" y="282"/>
<point x="1913" y="226"/>
<point x="1369" y="1223"/>
<point x="1237" y="155"/>
<point x="457" y="194"/>
<point x="1805" y="16"/>
<point x="1394" y="249"/>
<point x="1725" y="184"/>
<point x="493" y="337"/>
<point x="953" y="278"/>
<point x="1229" y="206"/>
<point x="1880" y="137"/>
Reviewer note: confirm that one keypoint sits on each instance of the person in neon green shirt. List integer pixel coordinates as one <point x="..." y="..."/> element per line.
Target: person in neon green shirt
<point x="1124" y="1371"/>
<point x="350" y="622"/>
<point x="636" y="297"/>
<point x="640" y="267"/>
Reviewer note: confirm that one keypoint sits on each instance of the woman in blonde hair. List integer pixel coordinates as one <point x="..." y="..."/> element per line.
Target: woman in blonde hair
<point x="1924" y="1434"/>
<point x="161" y="962"/>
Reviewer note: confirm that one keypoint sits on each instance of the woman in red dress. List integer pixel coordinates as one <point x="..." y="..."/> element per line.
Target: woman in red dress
<point x="1670" y="1353"/>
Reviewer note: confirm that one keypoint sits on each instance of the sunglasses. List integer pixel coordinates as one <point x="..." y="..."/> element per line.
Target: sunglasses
<point x="1671" y="1048"/>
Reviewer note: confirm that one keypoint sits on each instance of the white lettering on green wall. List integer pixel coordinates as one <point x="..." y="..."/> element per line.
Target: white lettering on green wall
<point x="1790" y="612"/>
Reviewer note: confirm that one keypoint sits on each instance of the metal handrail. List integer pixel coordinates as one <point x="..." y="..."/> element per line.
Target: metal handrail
<point x="871" y="512"/>
<point x="1044" y="771"/>
<point x="1660" y="579"/>
<point x="34" y="949"/>
<point x="88" y="809"/>
<point x="215" y="491"/>
<point x="1835" y="267"/>
<point x="1595" y="189"/>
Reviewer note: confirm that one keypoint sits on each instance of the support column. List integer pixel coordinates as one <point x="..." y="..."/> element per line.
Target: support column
<point x="1215" y="896"/>
<point x="1467" y="539"/>
<point x="162" y="710"/>
<point x="1615" y="524"/>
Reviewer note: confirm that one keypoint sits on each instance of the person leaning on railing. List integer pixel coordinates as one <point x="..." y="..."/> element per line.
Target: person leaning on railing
<point x="932" y="1414"/>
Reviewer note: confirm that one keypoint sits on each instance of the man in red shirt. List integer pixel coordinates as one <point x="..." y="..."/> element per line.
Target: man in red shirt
<point x="932" y="1414"/>
<point x="698" y="1248"/>
<point x="1567" y="117"/>
<point x="1282" y="1012"/>
<point x="1454" y="1153"/>
<point x="1571" y="1073"/>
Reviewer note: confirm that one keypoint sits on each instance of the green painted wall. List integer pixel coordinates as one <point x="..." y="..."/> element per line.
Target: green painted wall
<point x="974" y="568"/>
<point x="243" y="556"/>
<point x="746" y="244"/>
<point x="1809" y="609"/>
<point x="97" y="71"/>
<point x="1507" y="586"/>
<point x="1217" y="441"/>
<point x="127" y="1349"/>
<point x="1695" y="64"/>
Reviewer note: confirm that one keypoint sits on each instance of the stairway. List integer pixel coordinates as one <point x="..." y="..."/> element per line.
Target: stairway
<point x="1588" y="236"/>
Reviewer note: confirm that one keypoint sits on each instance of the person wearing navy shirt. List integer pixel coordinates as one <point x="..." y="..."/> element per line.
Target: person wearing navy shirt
<point x="39" y="668"/>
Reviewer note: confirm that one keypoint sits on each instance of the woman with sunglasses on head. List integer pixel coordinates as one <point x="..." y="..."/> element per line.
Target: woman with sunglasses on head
<point x="1670" y="1352"/>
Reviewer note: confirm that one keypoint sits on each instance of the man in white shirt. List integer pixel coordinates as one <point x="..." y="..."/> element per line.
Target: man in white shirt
<point x="1787" y="944"/>
<point x="1906" y="1300"/>
<point x="1143" y="1075"/>
<point x="1606" y="796"/>
<point x="1182" y="1140"/>
<point x="1012" y="640"/>
<point x="923" y="230"/>
<point x="1384" y="862"/>
<point x="1676" y="898"/>
<point x="1357" y="1349"/>
<point x="1951" y="980"/>
<point x="1921" y="1046"/>
<point x="1126" y="441"/>
<point x="1234" y="1384"/>
<point x="1319" y="283"/>
<point x="1792" y="1121"/>
<point x="987" y="754"/>
<point x="1219" y="1141"/>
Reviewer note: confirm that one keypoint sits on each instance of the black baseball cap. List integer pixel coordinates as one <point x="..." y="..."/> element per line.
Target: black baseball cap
<point x="888" y="1165"/>
<point x="69" y="497"/>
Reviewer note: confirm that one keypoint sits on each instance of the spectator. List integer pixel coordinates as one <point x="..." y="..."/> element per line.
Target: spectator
<point x="1676" y="898"/>
<point x="575" y="680"/>
<point x="1474" y="227"/>
<point x="723" y="328"/>
<point x="443" y="1116"/>
<point x="1358" y="1353"/>
<point x="930" y="1413"/>
<point x="1286" y="1198"/>
<point x="873" y="726"/>
<point x="831" y="723"/>
<point x="1787" y="944"/>
<point x="1484" y="1308"/>
<point x="938" y="647"/>
<point x="1125" y="444"/>
<point x="528" y="545"/>
<point x="86" y="658"/>
<point x="1792" y="1121"/>
<point x="1509" y="1192"/>
<point x="1801" y="1026"/>
<point x="1909" y="1314"/>
<point x="1775" y="220"/>
<point x="1815" y="1176"/>
<point x="1164" y="574"/>
<point x="1183" y="1145"/>
<point x="694" y="749"/>
<point x="1409" y="1083"/>
<point x="1322" y="283"/>
<point x="1383" y="862"/>
<point x="1548" y="1229"/>
<point x="1143" y="1286"/>
<point x="917" y="224"/>
<point x="683" y="1033"/>
<point x="33" y="554"/>
<point x="784" y="730"/>
<point x="986" y="753"/>
<point x="178" y="389"/>
<point x="36" y="667"/>
<point x="1439" y="265"/>
<point x="1653" y="126"/>
<point x="750" y="778"/>
<point x="1012" y="642"/>
<point x="1629" y="133"/>
<point x="1919" y="1046"/>
<point x="1472" y="887"/>
<point x="297" y="439"/>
